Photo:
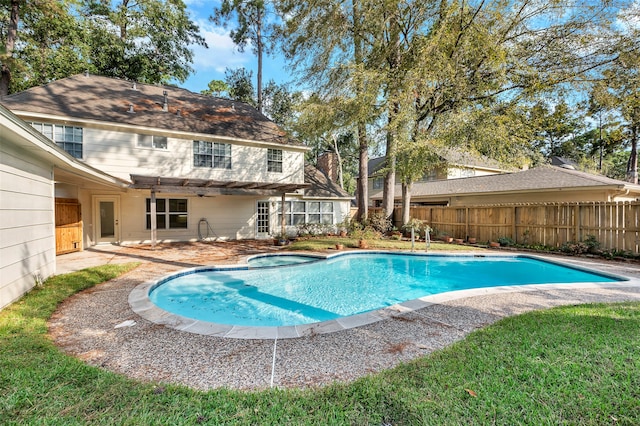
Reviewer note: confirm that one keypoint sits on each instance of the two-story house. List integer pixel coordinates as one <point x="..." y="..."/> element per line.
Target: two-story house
<point x="193" y="166"/>
<point x="455" y="164"/>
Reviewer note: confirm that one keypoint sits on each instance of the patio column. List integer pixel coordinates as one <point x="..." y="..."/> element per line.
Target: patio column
<point x="282" y="219"/>
<point x="154" y="223"/>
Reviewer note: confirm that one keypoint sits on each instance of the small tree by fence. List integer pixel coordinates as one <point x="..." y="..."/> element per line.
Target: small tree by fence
<point x="613" y="224"/>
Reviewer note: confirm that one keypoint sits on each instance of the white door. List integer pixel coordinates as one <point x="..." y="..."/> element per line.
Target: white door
<point x="263" y="219"/>
<point x="107" y="219"/>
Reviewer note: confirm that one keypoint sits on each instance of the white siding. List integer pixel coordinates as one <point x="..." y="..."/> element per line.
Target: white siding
<point x="27" y="234"/>
<point x="229" y="217"/>
<point x="117" y="154"/>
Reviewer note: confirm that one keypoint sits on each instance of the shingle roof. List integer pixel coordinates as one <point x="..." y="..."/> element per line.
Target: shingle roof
<point x="453" y="156"/>
<point x="539" y="178"/>
<point x="90" y="97"/>
<point x="321" y="185"/>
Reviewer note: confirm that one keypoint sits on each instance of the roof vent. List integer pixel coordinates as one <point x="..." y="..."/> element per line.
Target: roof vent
<point x="135" y="86"/>
<point x="165" y="106"/>
<point x="86" y="73"/>
<point x="131" y="111"/>
<point x="178" y="113"/>
<point x="233" y="107"/>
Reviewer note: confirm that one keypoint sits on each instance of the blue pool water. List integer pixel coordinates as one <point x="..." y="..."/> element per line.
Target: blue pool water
<point x="279" y="260"/>
<point x="344" y="285"/>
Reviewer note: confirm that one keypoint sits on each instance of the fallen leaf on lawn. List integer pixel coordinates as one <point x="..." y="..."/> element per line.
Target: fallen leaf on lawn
<point x="472" y="393"/>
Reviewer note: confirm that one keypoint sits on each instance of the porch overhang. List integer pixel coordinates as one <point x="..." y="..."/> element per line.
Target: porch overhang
<point x="207" y="187"/>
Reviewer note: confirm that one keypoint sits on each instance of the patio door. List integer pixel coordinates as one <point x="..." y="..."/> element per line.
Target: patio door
<point x="107" y="219"/>
<point x="263" y="219"/>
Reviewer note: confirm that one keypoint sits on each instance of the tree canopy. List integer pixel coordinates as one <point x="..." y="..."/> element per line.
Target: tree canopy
<point x="143" y="40"/>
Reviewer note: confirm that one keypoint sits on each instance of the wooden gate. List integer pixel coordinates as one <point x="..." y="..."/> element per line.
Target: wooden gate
<point x="68" y="225"/>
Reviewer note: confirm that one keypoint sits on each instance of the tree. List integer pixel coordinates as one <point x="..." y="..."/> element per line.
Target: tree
<point x="216" y="88"/>
<point x="471" y="55"/>
<point x="279" y="104"/>
<point x="144" y="40"/>
<point x="554" y="127"/>
<point x="325" y="44"/>
<point x="619" y="90"/>
<point x="9" y="44"/>
<point x="52" y="45"/>
<point x="322" y="125"/>
<point x="240" y="85"/>
<point x="251" y="26"/>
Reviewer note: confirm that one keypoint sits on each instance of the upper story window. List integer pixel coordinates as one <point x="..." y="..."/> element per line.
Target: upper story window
<point x="212" y="154"/>
<point x="274" y="160"/>
<point x="152" y="141"/>
<point x="430" y="175"/>
<point x="68" y="138"/>
<point x="378" y="182"/>
<point x="467" y="172"/>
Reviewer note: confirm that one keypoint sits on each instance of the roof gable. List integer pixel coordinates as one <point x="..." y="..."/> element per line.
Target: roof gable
<point x="90" y="97"/>
<point x="321" y="185"/>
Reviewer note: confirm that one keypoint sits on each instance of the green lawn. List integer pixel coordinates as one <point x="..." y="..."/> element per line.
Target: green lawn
<point x="570" y="365"/>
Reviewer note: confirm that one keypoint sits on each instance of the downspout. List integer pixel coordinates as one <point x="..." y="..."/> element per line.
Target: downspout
<point x="282" y="219"/>
<point x="154" y="223"/>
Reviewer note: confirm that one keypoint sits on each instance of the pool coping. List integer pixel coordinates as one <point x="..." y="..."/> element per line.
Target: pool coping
<point x="141" y="304"/>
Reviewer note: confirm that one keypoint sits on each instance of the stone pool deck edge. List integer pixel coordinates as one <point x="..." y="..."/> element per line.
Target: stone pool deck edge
<point x="88" y="326"/>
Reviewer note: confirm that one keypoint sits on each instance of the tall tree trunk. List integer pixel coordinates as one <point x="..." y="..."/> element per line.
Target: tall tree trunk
<point x="363" y="144"/>
<point x="388" y="190"/>
<point x="363" y="171"/>
<point x="259" y="48"/>
<point x="12" y="33"/>
<point x="335" y="148"/>
<point x="632" y="165"/>
<point x="393" y="62"/>
<point x="406" y="202"/>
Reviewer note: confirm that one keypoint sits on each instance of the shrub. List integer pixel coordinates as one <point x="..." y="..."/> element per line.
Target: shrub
<point x="506" y="241"/>
<point x="379" y="222"/>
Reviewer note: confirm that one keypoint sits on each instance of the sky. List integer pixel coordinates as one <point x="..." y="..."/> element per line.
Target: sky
<point x="209" y="64"/>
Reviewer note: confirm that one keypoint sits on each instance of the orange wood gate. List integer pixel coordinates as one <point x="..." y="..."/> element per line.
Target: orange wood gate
<point x="68" y="225"/>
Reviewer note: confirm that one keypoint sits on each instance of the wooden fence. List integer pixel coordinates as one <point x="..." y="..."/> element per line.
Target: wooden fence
<point x="613" y="224"/>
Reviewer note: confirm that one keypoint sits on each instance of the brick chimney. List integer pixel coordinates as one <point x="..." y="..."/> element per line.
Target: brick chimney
<point x="328" y="164"/>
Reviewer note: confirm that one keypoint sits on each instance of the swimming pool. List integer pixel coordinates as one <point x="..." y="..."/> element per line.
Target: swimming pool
<point x="269" y="260"/>
<point x="344" y="286"/>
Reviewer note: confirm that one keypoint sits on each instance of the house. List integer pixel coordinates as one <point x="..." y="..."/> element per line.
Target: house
<point x="544" y="184"/>
<point x="456" y="164"/>
<point x="30" y="166"/>
<point x="135" y="163"/>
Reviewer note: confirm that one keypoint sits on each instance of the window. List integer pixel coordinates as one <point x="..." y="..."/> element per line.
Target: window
<point x="152" y="141"/>
<point x="301" y="212"/>
<point x="68" y="138"/>
<point x="378" y="183"/>
<point x="274" y="160"/>
<point x="171" y="213"/>
<point x="430" y="175"/>
<point x="212" y="154"/>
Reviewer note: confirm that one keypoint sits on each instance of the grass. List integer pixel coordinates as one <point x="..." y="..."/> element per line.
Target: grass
<point x="326" y="243"/>
<point x="568" y="365"/>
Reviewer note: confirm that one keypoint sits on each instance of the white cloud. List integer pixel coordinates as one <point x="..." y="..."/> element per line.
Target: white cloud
<point x="222" y="52"/>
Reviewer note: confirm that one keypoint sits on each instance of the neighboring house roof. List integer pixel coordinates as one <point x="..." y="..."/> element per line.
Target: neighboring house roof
<point x="453" y="156"/>
<point x="321" y="185"/>
<point x="90" y="97"/>
<point x="539" y="178"/>
<point x="563" y="162"/>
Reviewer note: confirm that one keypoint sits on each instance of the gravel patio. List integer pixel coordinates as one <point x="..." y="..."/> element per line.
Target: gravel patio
<point x="84" y="325"/>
